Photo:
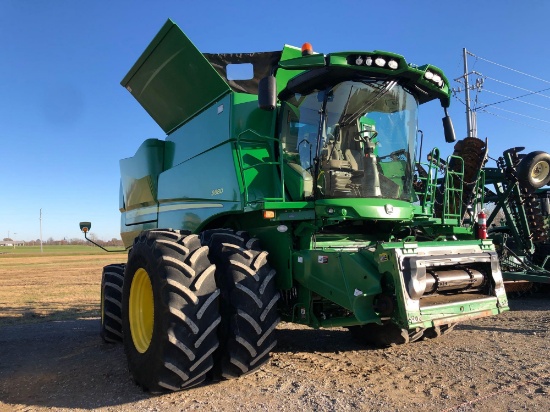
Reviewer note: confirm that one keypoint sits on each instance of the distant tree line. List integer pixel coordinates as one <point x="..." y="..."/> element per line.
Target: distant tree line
<point x="74" y="241"/>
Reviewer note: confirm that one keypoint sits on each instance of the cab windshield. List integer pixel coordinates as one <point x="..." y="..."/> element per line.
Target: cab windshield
<point x="354" y="139"/>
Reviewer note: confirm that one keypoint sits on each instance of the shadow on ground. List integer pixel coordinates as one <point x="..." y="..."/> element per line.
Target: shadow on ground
<point x="63" y="364"/>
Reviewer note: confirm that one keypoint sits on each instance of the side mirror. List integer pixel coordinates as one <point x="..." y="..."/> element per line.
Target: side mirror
<point x="448" y="129"/>
<point x="85" y="226"/>
<point x="267" y="93"/>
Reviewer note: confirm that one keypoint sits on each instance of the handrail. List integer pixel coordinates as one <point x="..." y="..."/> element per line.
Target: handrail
<point x="454" y="178"/>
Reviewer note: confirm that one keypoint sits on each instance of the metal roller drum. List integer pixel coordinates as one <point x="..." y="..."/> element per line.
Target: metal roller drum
<point x="455" y="279"/>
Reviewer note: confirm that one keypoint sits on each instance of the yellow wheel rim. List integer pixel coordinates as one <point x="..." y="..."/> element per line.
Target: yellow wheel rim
<point x="540" y="171"/>
<point x="141" y="310"/>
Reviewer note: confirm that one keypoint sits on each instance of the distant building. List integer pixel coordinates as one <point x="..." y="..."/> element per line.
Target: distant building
<point x="12" y="243"/>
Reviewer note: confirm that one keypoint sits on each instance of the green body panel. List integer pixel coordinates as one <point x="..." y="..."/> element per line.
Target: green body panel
<point x="172" y="80"/>
<point x="200" y="134"/>
<point x="191" y="215"/>
<point x="283" y="76"/>
<point x="374" y="208"/>
<point x="415" y="74"/>
<point x="346" y="278"/>
<point x="211" y="177"/>
<point x="140" y="175"/>
<point x="221" y="166"/>
<point x="246" y="115"/>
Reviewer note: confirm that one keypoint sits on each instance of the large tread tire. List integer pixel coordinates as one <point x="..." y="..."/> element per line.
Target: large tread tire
<point x="534" y="170"/>
<point x="248" y="302"/>
<point x="386" y="335"/>
<point x="184" y="298"/>
<point x="112" y="280"/>
<point x="438" y="331"/>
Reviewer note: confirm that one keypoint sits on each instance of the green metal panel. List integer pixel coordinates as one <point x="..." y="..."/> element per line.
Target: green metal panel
<point x="246" y="115"/>
<point x="373" y="208"/>
<point x="259" y="167"/>
<point x="346" y="278"/>
<point x="191" y="215"/>
<point x="279" y="245"/>
<point x="210" y="177"/>
<point x="139" y="175"/>
<point x="172" y="80"/>
<point x="283" y="76"/>
<point x="200" y="134"/>
<point x="406" y="71"/>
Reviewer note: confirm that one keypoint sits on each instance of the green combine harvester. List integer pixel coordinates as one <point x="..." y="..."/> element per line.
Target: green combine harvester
<point x="291" y="194"/>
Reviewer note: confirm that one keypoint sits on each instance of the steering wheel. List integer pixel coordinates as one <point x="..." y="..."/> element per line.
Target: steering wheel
<point x="360" y="138"/>
<point x="394" y="154"/>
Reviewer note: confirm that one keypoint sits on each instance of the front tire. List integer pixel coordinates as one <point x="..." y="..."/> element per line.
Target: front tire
<point x="170" y="311"/>
<point x="112" y="280"/>
<point x="248" y="303"/>
<point x="385" y="335"/>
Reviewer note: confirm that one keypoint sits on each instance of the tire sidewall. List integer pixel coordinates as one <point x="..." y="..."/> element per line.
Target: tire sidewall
<point x="525" y="167"/>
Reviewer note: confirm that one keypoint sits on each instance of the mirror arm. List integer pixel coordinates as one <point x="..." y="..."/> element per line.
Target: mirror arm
<point x="101" y="247"/>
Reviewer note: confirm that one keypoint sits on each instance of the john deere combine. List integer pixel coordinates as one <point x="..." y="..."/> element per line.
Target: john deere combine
<point x="290" y="196"/>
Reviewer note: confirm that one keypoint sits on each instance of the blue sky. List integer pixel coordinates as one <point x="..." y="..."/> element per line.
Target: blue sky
<point x="65" y="121"/>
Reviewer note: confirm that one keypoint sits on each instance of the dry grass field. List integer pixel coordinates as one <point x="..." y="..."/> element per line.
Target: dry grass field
<point x="60" y="283"/>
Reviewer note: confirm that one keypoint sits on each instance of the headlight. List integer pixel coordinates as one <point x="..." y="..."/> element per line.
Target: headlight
<point x="392" y="64"/>
<point x="368" y="61"/>
<point x="380" y="62"/>
<point x="429" y="75"/>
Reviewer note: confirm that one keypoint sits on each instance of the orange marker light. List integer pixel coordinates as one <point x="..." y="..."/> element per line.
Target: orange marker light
<point x="269" y="214"/>
<point x="307" y="49"/>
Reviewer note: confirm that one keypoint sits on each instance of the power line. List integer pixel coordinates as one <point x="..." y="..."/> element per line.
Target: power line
<point x="523" y="115"/>
<point x="515" y="121"/>
<point x="508" y="98"/>
<point x="509" y="68"/>
<point x="479" y="106"/>
<point x="517" y="87"/>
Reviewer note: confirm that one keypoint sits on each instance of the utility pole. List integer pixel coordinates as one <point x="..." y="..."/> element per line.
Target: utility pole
<point x="41" y="249"/>
<point x="471" y="121"/>
<point x="471" y="132"/>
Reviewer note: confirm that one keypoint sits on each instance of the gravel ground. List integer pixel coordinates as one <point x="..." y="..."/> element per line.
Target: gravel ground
<point x="499" y="363"/>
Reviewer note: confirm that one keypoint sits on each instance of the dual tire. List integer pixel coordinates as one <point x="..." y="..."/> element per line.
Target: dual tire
<point x="185" y="319"/>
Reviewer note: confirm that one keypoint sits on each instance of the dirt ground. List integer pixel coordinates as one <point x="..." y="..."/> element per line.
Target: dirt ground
<point x="500" y="363"/>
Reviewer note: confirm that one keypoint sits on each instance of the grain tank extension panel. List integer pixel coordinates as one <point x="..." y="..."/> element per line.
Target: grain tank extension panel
<point x="172" y="79"/>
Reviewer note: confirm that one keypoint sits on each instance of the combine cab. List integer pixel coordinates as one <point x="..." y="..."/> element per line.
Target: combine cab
<point x="290" y="195"/>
